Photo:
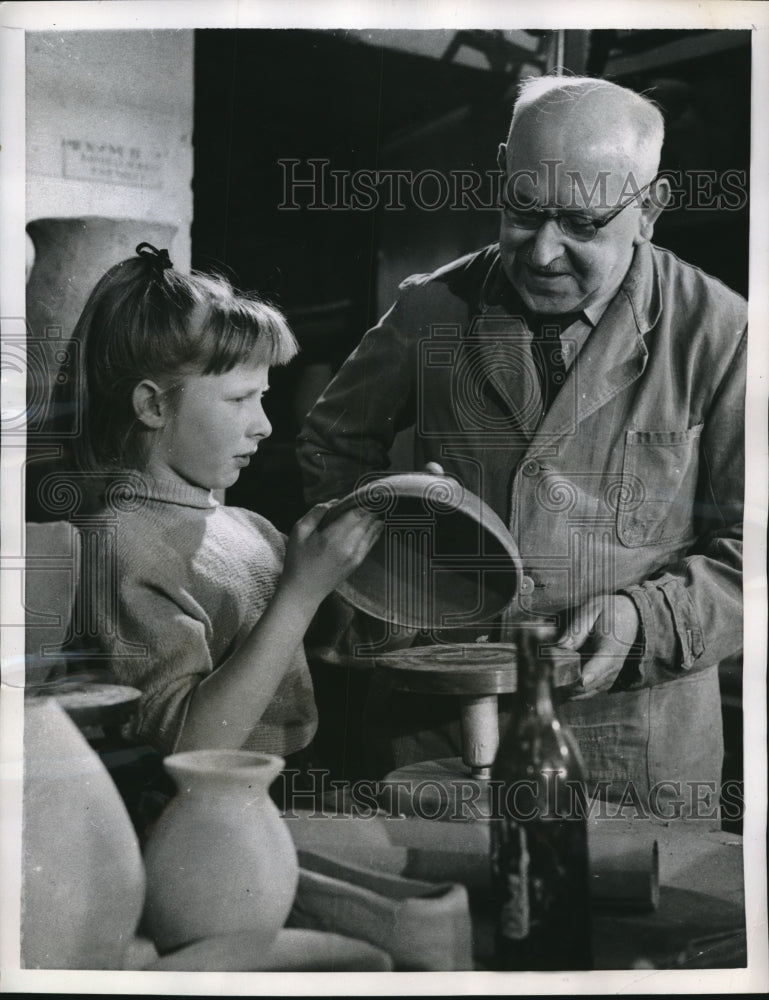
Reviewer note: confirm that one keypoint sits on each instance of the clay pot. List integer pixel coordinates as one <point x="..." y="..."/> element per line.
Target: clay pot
<point x="444" y="559"/>
<point x="71" y="255"/>
<point x="220" y="859"/>
<point x="82" y="879"/>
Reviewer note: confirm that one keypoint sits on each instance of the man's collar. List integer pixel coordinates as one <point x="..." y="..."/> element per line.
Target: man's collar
<point x="497" y="290"/>
<point x="593" y="313"/>
<point x="639" y="286"/>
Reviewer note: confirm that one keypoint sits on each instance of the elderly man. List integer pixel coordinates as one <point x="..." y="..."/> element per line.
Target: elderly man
<point x="590" y="387"/>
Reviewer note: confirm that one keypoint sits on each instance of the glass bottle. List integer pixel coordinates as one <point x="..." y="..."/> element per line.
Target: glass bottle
<point x="539" y="850"/>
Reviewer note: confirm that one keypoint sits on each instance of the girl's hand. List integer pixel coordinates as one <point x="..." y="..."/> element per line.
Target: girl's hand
<point x="228" y="702"/>
<point x="319" y="559"/>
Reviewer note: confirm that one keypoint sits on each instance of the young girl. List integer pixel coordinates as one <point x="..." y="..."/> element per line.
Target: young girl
<point x="210" y="602"/>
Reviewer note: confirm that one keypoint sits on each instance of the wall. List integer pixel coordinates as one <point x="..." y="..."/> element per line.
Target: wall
<point x="109" y="127"/>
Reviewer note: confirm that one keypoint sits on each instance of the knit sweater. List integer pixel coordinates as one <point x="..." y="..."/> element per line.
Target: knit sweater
<point x="192" y="579"/>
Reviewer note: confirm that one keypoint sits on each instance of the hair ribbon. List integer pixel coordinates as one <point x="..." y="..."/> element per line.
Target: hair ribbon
<point x="158" y="258"/>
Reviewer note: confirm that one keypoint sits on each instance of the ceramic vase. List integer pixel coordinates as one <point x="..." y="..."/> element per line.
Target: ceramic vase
<point x="82" y="876"/>
<point x="220" y="859"/>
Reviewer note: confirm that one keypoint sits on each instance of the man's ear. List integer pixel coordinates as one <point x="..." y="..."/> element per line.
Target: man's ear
<point x="150" y="404"/>
<point x="502" y="157"/>
<point x="655" y="200"/>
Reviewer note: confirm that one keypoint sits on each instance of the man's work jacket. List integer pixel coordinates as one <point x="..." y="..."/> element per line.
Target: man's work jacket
<point x="631" y="482"/>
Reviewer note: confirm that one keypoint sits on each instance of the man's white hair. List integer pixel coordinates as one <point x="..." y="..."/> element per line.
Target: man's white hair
<point x="540" y="94"/>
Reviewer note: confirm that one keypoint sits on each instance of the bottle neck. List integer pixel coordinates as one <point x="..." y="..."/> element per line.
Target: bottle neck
<point x="537" y="692"/>
<point x="535" y="674"/>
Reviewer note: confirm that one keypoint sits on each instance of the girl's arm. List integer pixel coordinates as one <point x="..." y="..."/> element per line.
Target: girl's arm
<point x="227" y="704"/>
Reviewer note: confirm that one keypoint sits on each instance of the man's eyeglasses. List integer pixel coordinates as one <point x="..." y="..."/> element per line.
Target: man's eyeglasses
<point x="572" y="224"/>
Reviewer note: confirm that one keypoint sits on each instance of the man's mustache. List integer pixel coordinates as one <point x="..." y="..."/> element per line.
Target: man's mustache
<point x="554" y="267"/>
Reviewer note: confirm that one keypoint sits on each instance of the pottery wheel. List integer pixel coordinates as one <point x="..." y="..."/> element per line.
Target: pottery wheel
<point x="477" y="673"/>
<point x="477" y="669"/>
<point x="465" y="669"/>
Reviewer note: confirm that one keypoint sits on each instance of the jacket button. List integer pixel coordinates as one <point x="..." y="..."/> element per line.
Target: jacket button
<point x="531" y="468"/>
<point x="527" y="585"/>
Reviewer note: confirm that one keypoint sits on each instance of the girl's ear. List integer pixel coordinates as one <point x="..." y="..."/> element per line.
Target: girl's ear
<point x="150" y="404"/>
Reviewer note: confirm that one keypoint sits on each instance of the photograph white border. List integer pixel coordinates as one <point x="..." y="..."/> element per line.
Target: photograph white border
<point x="15" y="18"/>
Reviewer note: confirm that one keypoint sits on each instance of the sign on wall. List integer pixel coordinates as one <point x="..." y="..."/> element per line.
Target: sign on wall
<point x="113" y="163"/>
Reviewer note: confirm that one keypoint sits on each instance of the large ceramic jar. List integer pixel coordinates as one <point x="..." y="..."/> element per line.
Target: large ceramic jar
<point x="71" y="255"/>
<point x="220" y="858"/>
<point x="83" y="881"/>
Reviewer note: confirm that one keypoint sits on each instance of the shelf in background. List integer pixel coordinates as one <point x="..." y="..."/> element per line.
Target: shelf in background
<point x="681" y="49"/>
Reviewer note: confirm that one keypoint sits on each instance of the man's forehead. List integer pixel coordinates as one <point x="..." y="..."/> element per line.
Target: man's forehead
<point x="556" y="164"/>
<point x="601" y="111"/>
<point x="567" y="140"/>
<point x="595" y="136"/>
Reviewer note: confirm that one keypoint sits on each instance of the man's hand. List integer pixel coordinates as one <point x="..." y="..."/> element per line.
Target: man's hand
<point x="603" y="631"/>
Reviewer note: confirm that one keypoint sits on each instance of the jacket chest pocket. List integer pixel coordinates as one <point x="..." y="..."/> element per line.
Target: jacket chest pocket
<point x="659" y="482"/>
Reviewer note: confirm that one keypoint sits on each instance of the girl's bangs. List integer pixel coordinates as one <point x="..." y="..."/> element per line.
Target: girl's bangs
<point x="244" y="330"/>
